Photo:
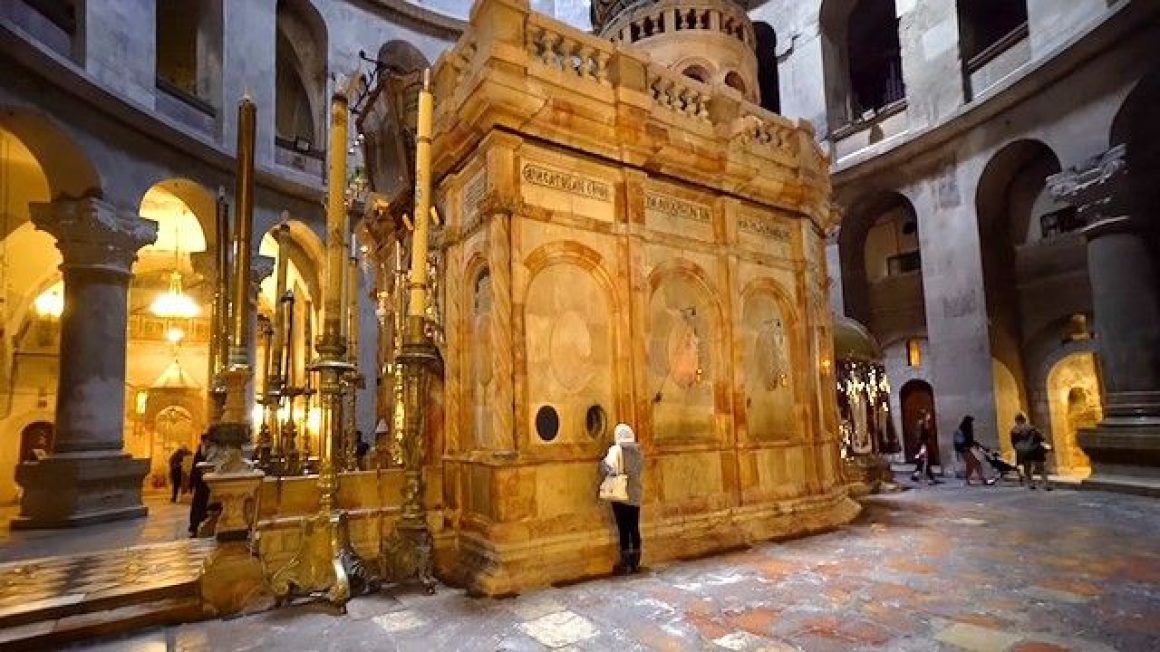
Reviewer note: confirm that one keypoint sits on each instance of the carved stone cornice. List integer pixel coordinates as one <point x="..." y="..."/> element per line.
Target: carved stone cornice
<point x="1098" y="188"/>
<point x="93" y="233"/>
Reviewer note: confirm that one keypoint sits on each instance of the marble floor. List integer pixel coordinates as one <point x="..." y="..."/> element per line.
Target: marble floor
<point x="938" y="568"/>
<point x="166" y="522"/>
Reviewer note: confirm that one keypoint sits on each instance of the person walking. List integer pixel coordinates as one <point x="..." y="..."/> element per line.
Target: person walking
<point x="624" y="458"/>
<point x="1030" y="451"/>
<point x="926" y="443"/>
<point x="965" y="446"/>
<point x="176" y="472"/>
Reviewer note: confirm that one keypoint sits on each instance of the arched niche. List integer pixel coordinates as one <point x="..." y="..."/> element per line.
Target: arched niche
<point x="685" y="362"/>
<point x="387" y="125"/>
<point x="881" y="266"/>
<point x="569" y="339"/>
<point x="1012" y="202"/>
<point x="1073" y="390"/>
<point x="767" y="349"/>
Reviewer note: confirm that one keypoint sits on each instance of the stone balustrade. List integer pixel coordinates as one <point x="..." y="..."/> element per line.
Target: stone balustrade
<point x="679" y="93"/>
<point x="667" y="17"/>
<point x="568" y="51"/>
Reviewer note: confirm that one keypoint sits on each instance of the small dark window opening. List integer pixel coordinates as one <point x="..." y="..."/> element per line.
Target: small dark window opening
<point x="910" y="228"/>
<point x="596" y="422"/>
<point x="985" y="23"/>
<point x="547" y="423"/>
<point x="875" y="56"/>
<point x="177" y="22"/>
<point x="1064" y="220"/>
<point x="910" y="261"/>
<point x="767" y="75"/>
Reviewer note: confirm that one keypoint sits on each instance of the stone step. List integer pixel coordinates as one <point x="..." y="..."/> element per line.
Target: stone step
<point x="122" y="589"/>
<point x="52" y="633"/>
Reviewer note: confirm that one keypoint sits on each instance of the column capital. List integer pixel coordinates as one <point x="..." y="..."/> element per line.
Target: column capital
<point x="261" y="267"/>
<point x="1097" y="188"/>
<point x="93" y="233"/>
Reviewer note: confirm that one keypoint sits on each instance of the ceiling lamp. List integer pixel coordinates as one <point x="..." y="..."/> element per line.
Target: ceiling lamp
<point x="50" y="303"/>
<point x="175" y="303"/>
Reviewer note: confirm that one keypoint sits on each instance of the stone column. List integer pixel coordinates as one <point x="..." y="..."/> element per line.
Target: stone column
<point x="1125" y="446"/>
<point x="88" y="478"/>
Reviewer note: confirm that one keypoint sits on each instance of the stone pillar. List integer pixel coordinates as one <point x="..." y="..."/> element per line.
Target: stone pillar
<point x="1125" y="447"/>
<point x="88" y="478"/>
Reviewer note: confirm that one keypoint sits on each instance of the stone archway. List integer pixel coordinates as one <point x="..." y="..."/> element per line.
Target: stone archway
<point x="1073" y="391"/>
<point x="917" y="397"/>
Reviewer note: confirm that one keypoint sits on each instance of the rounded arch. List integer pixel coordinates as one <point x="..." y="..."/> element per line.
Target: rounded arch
<point x="917" y="397"/>
<point x="305" y="252"/>
<point x="1011" y="203"/>
<point x="698" y="72"/>
<point x="402" y="56"/>
<point x="769" y="351"/>
<point x="577" y="254"/>
<point x="734" y="80"/>
<point x="301" y="56"/>
<point x="880" y="254"/>
<point x="178" y="193"/>
<point x="67" y="168"/>
<point x="1073" y="393"/>
<point x="36" y="440"/>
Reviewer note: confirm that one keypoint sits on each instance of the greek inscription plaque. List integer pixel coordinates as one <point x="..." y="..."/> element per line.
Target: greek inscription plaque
<point x="566" y="182"/>
<point x="765" y="229"/>
<point x="677" y="208"/>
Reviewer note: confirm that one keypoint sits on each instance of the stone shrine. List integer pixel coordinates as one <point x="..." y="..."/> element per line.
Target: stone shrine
<point x="623" y="242"/>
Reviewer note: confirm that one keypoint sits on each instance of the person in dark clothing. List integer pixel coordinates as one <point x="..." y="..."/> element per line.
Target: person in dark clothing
<point x="361" y="448"/>
<point x="926" y="446"/>
<point x="1030" y="451"/>
<point x="176" y="475"/>
<point x="625" y="457"/>
<point x="199" y="508"/>
<point x="965" y="445"/>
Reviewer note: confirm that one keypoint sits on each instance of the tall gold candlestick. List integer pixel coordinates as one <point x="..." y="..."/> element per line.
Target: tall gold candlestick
<point x="243" y="231"/>
<point x="418" y="304"/>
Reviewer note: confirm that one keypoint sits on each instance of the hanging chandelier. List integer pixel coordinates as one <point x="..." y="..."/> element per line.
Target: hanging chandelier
<point x="175" y="303"/>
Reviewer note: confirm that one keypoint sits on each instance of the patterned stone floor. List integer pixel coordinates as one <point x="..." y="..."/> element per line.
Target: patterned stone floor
<point x="943" y="568"/>
<point x="166" y="522"/>
<point x="36" y="584"/>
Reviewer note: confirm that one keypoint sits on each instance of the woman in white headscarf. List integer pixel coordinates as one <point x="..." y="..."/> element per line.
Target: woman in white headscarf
<point x="625" y="457"/>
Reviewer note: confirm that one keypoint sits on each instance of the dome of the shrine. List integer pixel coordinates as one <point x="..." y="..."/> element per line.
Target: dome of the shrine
<point x="853" y="341"/>
<point x="711" y="41"/>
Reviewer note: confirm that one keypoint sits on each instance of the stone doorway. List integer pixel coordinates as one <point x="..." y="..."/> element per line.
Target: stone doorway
<point x="1073" y="391"/>
<point x="917" y="396"/>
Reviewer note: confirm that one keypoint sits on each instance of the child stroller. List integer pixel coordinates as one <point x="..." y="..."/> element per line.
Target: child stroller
<point x="1001" y="466"/>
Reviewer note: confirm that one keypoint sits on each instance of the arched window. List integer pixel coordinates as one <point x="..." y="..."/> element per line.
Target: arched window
<point x="300" y="73"/>
<point x="767" y="77"/>
<point x="733" y="80"/>
<point x="697" y="72"/>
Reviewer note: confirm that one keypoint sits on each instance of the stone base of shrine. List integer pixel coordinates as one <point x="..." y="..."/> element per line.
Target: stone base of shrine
<point x="487" y="565"/>
<point x="1125" y="458"/>
<point x="70" y="491"/>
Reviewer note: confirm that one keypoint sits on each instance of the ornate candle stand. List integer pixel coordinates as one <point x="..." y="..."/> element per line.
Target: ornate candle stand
<point x="325" y="565"/>
<point x="407" y="552"/>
